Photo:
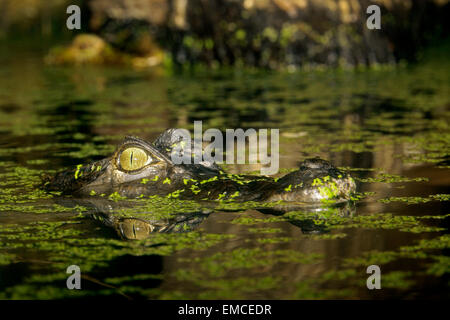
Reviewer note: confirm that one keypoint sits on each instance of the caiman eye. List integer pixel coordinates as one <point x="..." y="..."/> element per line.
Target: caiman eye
<point x="133" y="159"/>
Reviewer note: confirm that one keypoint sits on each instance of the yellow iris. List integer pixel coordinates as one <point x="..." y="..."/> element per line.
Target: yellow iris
<point x="133" y="159"/>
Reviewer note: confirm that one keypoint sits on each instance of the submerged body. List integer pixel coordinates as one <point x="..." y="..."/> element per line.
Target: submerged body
<point x="139" y="168"/>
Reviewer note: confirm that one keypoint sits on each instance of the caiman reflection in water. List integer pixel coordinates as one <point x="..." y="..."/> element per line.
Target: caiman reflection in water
<point x="140" y="169"/>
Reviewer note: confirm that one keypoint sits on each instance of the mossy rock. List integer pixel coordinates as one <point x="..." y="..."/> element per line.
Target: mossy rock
<point x="91" y="49"/>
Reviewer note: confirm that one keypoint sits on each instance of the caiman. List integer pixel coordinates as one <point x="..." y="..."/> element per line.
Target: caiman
<point x="140" y="169"/>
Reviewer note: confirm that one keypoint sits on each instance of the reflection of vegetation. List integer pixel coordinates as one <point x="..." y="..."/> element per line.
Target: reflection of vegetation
<point x="398" y="280"/>
<point x="234" y="288"/>
<point x="391" y="178"/>
<point x="60" y="246"/>
<point x="6" y="259"/>
<point x="219" y="263"/>
<point x="330" y="220"/>
<point x="209" y="273"/>
<point x="415" y="200"/>
<point x="419" y="251"/>
<point x="440" y="266"/>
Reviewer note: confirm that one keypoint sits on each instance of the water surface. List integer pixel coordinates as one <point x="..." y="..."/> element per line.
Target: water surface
<point x="388" y="127"/>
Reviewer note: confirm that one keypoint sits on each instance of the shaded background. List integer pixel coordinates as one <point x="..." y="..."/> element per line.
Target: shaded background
<point x="263" y="33"/>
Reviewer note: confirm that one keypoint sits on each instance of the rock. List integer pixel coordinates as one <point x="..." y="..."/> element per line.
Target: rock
<point x="91" y="49"/>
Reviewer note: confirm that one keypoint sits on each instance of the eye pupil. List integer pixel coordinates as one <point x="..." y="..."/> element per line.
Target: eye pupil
<point x="133" y="158"/>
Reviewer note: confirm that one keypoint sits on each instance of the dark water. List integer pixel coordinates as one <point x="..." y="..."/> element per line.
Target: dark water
<point x="389" y="127"/>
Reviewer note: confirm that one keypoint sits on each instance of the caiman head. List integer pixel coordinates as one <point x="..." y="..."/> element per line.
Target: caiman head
<point x="139" y="168"/>
<point x="136" y="168"/>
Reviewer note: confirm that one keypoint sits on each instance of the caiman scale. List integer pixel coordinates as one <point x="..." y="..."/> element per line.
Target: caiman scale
<point x="139" y="168"/>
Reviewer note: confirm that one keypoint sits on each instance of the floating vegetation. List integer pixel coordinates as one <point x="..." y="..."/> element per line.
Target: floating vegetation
<point x="332" y="220"/>
<point x="425" y="249"/>
<point x="388" y="136"/>
<point x="157" y="208"/>
<point x="273" y="240"/>
<point x="391" y="178"/>
<point x="416" y="200"/>
<point x="6" y="259"/>
<point x="235" y="288"/>
<point x="220" y="263"/>
<point x="245" y="220"/>
<point x="265" y="230"/>
<point x="440" y="266"/>
<point x="327" y="236"/>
